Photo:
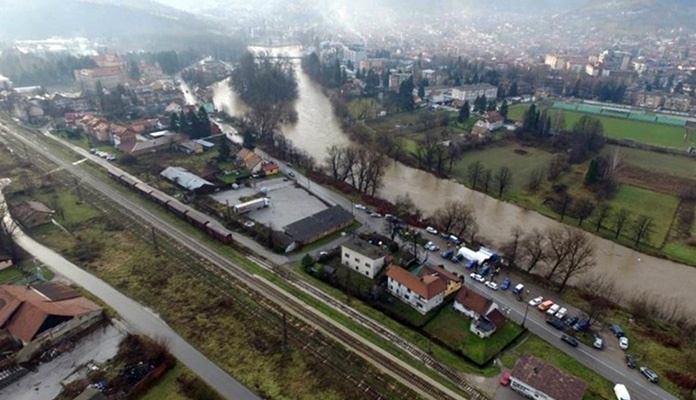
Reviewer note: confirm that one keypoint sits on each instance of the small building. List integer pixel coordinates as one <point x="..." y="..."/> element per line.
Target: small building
<point x="420" y="292"/>
<point x="319" y="225"/>
<point x="191" y="147"/>
<point x="191" y="182"/>
<point x="452" y="281"/>
<point x="492" y="120"/>
<point x="252" y="162"/>
<point x="363" y="257"/>
<point x="472" y="304"/>
<point x="535" y="379"/>
<point x="270" y="168"/>
<point x="33" y="213"/>
<point x="487" y="325"/>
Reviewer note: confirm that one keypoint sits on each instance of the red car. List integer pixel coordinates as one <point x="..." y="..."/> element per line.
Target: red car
<point x="505" y="379"/>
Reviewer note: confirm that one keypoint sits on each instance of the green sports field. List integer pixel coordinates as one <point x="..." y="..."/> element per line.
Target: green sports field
<point x="619" y="128"/>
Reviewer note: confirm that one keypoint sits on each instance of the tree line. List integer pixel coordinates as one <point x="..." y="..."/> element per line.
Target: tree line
<point x="359" y="166"/>
<point x="194" y="124"/>
<point x="25" y="69"/>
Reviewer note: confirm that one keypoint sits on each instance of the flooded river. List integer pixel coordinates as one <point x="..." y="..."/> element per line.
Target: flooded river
<point x="317" y="128"/>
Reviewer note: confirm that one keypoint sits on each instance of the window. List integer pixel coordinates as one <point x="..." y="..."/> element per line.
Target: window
<point x="367" y="273"/>
<point x="367" y="265"/>
<point x="357" y="259"/>
<point x="356" y="267"/>
<point x="420" y="305"/>
<point x="347" y="255"/>
<point x="406" y="297"/>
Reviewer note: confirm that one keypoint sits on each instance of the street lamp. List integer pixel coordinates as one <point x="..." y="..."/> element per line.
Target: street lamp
<point x="525" y="315"/>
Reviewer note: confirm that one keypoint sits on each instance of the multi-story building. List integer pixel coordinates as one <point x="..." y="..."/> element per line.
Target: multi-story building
<point x="109" y="77"/>
<point x="397" y="78"/>
<point x="471" y="92"/>
<point x="650" y="99"/>
<point x="423" y="292"/>
<point x="677" y="102"/>
<point x="555" y="62"/>
<point x="363" y="257"/>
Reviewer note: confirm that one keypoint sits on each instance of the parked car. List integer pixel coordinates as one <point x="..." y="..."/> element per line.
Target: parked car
<point x="505" y="378"/>
<point x="375" y="215"/>
<point x="536" y="301"/>
<point x="454" y="240"/>
<point x="250" y="224"/>
<point x="581" y="326"/>
<point x="623" y="343"/>
<point x="518" y="289"/>
<point x="571" y="321"/>
<point x="505" y="284"/>
<point x="570" y="340"/>
<point x="477" y="278"/>
<point x="545" y="305"/>
<point x="616" y="330"/>
<point x="292" y="175"/>
<point x="650" y="374"/>
<point x="447" y="254"/>
<point x="598" y="343"/>
<point x="556" y="323"/>
<point x="561" y="313"/>
<point x="358" y="206"/>
<point x="485" y="270"/>
<point x="630" y="361"/>
<point x="457" y="258"/>
<point x="431" y="230"/>
<point x="492" y="285"/>
<point x="553" y="309"/>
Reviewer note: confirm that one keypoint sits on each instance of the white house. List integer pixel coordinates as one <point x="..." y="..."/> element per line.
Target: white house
<point x="423" y="292"/>
<point x="535" y="379"/>
<point x="471" y="92"/>
<point x="492" y="120"/>
<point x="363" y="257"/>
<point x="472" y="304"/>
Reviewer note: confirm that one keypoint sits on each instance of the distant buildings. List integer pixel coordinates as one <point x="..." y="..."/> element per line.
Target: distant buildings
<point x="471" y="92"/>
<point x="109" y="77"/>
<point x="397" y="78"/>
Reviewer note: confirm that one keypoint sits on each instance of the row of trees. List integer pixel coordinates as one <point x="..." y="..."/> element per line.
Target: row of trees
<point x="484" y="179"/>
<point x="196" y="125"/>
<point x="329" y="75"/>
<point x="359" y="166"/>
<point x="26" y="69"/>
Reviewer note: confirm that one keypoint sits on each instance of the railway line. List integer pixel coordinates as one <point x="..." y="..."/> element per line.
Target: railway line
<point x="111" y="200"/>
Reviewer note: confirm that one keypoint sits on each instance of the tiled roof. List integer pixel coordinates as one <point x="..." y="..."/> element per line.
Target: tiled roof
<point x="548" y="379"/>
<point x="473" y="301"/>
<point x="427" y="286"/>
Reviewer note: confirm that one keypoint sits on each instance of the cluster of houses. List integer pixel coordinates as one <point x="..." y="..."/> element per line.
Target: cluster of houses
<point x="425" y="290"/>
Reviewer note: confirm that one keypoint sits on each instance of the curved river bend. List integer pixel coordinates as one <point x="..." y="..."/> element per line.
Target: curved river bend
<point x="317" y="128"/>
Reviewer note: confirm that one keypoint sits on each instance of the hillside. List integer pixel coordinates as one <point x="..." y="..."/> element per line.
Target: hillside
<point x="38" y="19"/>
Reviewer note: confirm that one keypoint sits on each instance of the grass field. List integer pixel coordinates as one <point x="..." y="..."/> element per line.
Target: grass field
<point x="659" y="162"/>
<point x="10" y="274"/>
<point x="598" y="388"/>
<point x="497" y="156"/>
<point x="661" y="207"/>
<point x="619" y="128"/>
<point x="453" y="328"/>
<point x="167" y="387"/>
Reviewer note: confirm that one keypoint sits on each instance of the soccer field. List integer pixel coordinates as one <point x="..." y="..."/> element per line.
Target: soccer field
<point x="619" y="128"/>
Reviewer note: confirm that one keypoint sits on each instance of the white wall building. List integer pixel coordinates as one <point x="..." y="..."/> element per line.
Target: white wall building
<point x="471" y="92"/>
<point x="363" y="257"/>
<point x="422" y="293"/>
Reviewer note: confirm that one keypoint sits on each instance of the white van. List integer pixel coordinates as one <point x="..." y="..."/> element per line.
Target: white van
<point x="621" y="392"/>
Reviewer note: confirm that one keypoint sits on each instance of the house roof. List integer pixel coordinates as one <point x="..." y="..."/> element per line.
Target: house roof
<point x="183" y="178"/>
<point x="244" y="153"/>
<point x="548" y="379"/>
<point x="473" y="301"/>
<point x="269" y="167"/>
<point x="319" y="223"/>
<point x="497" y="318"/>
<point x="366" y="249"/>
<point x="426" y="286"/>
<point x="493" y="117"/>
<point x="23" y="309"/>
<point x="441" y="273"/>
<point x="252" y="162"/>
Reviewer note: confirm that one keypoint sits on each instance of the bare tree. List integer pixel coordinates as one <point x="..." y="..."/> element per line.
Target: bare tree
<point x="534" y="249"/>
<point x="620" y="220"/>
<point x="580" y="257"/>
<point x="582" y="209"/>
<point x="602" y="212"/>
<point x="503" y="179"/>
<point x="511" y="247"/>
<point x="557" y="165"/>
<point x="334" y="160"/>
<point x="455" y="217"/>
<point x="474" y="173"/>
<point x="642" y="228"/>
<point x="487" y="178"/>
<point x="7" y="230"/>
<point x="535" y="179"/>
<point x="558" y="239"/>
<point x="405" y="207"/>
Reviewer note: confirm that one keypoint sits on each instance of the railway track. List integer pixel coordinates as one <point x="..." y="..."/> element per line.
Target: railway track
<point x="105" y="196"/>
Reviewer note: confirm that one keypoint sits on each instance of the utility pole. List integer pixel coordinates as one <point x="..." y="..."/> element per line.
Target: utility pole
<point x="285" y="331"/>
<point x="79" y="191"/>
<point x="525" y="315"/>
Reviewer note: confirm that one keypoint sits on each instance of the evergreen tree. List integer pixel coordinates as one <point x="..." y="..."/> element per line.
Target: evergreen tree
<point x="592" y="173"/>
<point x="224" y="150"/>
<point x="184" y="123"/>
<point x="504" y="109"/>
<point x="174" y="122"/>
<point x="464" y="112"/>
<point x="203" y="122"/>
<point x="421" y="90"/>
<point x="194" y="124"/>
<point x="513" y="89"/>
<point x="406" y="94"/>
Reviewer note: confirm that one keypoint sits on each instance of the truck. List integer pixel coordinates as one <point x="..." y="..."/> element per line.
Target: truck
<point x="252" y="205"/>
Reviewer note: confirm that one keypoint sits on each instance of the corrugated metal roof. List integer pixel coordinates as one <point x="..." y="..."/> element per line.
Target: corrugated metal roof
<point x="183" y="178"/>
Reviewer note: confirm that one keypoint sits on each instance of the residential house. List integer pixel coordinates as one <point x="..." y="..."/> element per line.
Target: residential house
<point x="365" y="258"/>
<point x="120" y="134"/>
<point x="487" y="325"/>
<point x="471" y="92"/>
<point x="536" y="379"/>
<point x="452" y="281"/>
<point x="491" y="120"/>
<point x="270" y="168"/>
<point x="136" y="146"/>
<point x="252" y="162"/>
<point x="191" y="147"/>
<point x="27" y="312"/>
<point x="32" y="213"/>
<point x="420" y="292"/>
<point x="480" y="131"/>
<point x="650" y="99"/>
<point x="472" y="304"/>
<point x="191" y="182"/>
<point x="678" y="102"/>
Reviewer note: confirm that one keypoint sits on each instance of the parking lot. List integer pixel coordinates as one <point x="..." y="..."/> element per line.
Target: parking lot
<point x="288" y="203"/>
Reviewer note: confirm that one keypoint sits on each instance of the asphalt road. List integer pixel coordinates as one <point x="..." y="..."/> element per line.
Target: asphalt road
<point x="137" y="318"/>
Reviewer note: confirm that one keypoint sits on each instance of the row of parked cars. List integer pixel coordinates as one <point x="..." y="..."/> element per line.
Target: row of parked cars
<point x="103" y="154"/>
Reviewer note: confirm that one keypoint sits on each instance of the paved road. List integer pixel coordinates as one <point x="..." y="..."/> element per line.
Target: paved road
<point x="138" y="318"/>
